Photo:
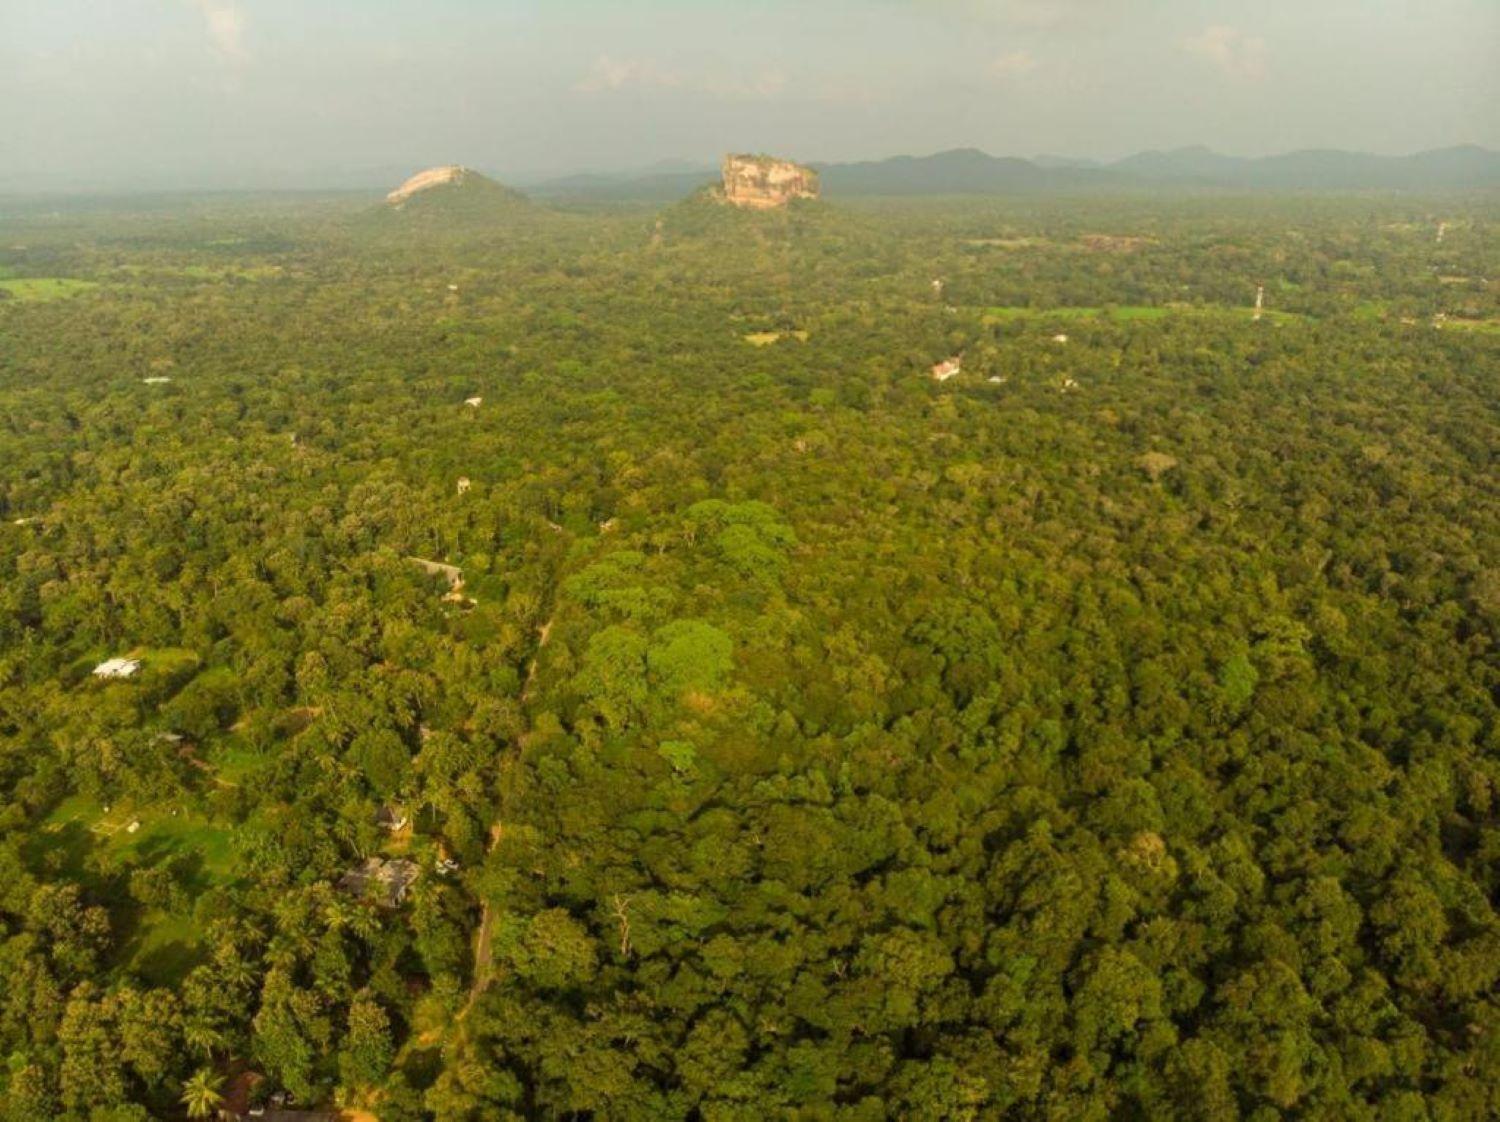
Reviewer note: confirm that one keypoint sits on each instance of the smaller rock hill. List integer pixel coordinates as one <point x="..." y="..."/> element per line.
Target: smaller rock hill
<point x="453" y="192"/>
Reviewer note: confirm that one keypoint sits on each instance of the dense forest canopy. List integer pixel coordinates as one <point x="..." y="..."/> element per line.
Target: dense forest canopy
<point x="1108" y="731"/>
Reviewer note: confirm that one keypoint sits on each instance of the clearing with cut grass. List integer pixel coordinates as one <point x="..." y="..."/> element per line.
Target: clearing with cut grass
<point x="38" y="289"/>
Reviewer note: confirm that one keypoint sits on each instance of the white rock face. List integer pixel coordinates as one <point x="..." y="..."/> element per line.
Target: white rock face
<point x="425" y="181"/>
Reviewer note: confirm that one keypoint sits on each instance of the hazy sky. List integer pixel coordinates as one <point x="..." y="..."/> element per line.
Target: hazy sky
<point x="191" y="93"/>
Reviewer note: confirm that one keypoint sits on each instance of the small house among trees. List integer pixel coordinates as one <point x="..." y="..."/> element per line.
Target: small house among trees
<point x="948" y="368"/>
<point x="384" y="881"/>
<point x="391" y="818"/>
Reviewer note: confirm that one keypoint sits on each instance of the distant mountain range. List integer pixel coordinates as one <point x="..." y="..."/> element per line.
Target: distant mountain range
<point x="1321" y="168"/>
<point x="968" y="171"/>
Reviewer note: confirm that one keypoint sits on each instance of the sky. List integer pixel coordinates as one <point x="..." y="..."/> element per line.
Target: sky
<point x="128" y="94"/>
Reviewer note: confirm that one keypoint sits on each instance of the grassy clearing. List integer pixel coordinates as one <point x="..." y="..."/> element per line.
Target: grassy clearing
<point x="1479" y="326"/>
<point x="34" y="290"/>
<point x="766" y="338"/>
<point x="165" y="947"/>
<point x="98" y="843"/>
<point x="234" y="762"/>
<point x="208" y="847"/>
<point x="75" y="808"/>
<point x="88" y="842"/>
<point x="161" y="833"/>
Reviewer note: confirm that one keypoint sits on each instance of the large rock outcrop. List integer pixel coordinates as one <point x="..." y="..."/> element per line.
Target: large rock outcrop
<point x="764" y="183"/>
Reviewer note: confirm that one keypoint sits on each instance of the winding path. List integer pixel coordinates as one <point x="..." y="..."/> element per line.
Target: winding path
<point x="483" y="967"/>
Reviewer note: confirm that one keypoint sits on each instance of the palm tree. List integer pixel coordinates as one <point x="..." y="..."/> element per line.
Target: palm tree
<point x="366" y="924"/>
<point x="200" y="1094"/>
<point x="202" y="1035"/>
<point x="237" y="972"/>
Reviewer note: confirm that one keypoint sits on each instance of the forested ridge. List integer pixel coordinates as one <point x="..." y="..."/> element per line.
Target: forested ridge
<point x="1106" y="732"/>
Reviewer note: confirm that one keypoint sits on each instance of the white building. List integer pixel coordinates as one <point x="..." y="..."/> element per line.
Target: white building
<point x="118" y="668"/>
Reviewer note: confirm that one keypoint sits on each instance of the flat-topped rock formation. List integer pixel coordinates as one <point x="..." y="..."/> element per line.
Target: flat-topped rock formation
<point x="764" y="182"/>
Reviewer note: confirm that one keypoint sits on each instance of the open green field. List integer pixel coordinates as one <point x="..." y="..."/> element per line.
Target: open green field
<point x="164" y="947"/>
<point x="1482" y="326"/>
<point x="74" y="809"/>
<point x="162" y="832"/>
<point x="96" y="844"/>
<point x="164" y="836"/>
<point x="36" y="289"/>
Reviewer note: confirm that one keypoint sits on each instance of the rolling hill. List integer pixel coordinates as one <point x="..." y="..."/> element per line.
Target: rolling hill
<point x="451" y="194"/>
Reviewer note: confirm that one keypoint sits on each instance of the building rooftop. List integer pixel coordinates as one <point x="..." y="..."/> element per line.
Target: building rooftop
<point x="947" y="369"/>
<point x="384" y="881"/>
<point x="117" y="668"/>
<point x="390" y="818"/>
